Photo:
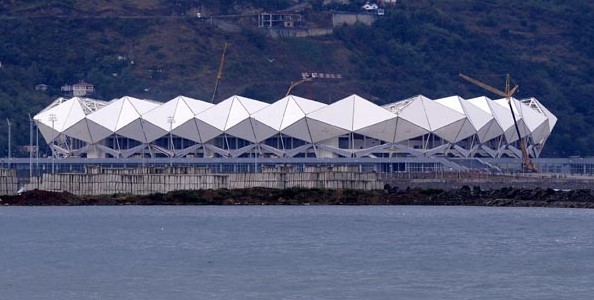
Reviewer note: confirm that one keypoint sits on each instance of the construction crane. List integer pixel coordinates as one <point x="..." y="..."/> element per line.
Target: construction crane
<point x="528" y="164"/>
<point x="296" y="83"/>
<point x="219" y="73"/>
<point x="306" y="77"/>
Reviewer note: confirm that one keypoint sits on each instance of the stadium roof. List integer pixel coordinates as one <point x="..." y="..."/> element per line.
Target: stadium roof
<point x="454" y="121"/>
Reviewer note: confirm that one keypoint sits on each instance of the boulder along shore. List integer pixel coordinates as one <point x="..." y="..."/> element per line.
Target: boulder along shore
<point x="469" y="196"/>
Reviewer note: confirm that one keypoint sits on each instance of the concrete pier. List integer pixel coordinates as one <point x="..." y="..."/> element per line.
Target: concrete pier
<point x="143" y="181"/>
<point x="8" y="182"/>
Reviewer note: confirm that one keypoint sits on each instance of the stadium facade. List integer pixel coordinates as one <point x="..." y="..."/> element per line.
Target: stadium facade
<point x="293" y="127"/>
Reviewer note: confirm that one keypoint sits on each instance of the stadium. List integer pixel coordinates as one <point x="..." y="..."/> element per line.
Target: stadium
<point x="293" y="127"/>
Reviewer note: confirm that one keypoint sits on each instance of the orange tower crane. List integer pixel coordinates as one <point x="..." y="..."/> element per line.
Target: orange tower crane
<point x="528" y="164"/>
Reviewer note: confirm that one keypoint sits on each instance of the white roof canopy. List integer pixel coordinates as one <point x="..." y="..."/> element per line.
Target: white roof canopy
<point x="463" y="125"/>
<point x="286" y="115"/>
<point x="229" y="116"/>
<point x="175" y="116"/>
<point x="120" y="116"/>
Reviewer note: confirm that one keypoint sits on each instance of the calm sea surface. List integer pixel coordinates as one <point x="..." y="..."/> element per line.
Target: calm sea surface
<point x="304" y="252"/>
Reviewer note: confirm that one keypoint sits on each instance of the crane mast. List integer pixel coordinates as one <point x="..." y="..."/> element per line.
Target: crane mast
<point x="296" y="83"/>
<point x="219" y="74"/>
<point x="306" y="77"/>
<point x="527" y="162"/>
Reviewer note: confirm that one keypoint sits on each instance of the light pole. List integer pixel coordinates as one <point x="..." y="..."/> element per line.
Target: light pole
<point x="171" y="120"/>
<point x="30" y="147"/>
<point x="53" y="119"/>
<point x="36" y="150"/>
<point x="9" y="142"/>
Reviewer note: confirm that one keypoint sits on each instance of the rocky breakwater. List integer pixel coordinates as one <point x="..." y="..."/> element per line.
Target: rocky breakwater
<point x="507" y="197"/>
<point x="467" y="196"/>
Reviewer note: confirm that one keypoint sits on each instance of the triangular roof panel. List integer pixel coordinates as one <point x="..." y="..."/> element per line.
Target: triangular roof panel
<point x="501" y="115"/>
<point x="281" y="114"/>
<point x="230" y="112"/>
<point x="299" y="130"/>
<point x="481" y="121"/>
<point x="384" y="130"/>
<point x="80" y="131"/>
<point x="62" y="115"/>
<point x="440" y="116"/>
<point x="351" y="113"/>
<point x="414" y="112"/>
<point x="321" y="131"/>
<point x="118" y="114"/>
<point x="522" y="126"/>
<point x="406" y="130"/>
<point x="169" y="115"/>
<point x="552" y="119"/>
<point x="206" y="132"/>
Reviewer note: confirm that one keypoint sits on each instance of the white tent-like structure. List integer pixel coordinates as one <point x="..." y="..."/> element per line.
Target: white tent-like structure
<point x="66" y="119"/>
<point x="294" y="127"/>
<point x="175" y="117"/>
<point x="286" y="116"/>
<point x="121" y="116"/>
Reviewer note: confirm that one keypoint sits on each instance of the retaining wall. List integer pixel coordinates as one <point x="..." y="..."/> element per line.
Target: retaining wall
<point x="142" y="181"/>
<point x="340" y="19"/>
<point x="8" y="182"/>
<point x="298" y="32"/>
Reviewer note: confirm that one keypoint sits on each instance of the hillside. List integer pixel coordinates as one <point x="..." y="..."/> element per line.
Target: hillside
<point x="159" y="49"/>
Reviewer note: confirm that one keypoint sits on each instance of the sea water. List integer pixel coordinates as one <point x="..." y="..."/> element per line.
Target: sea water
<point x="296" y="252"/>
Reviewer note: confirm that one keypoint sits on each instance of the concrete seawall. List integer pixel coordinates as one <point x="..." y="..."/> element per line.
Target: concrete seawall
<point x="8" y="182"/>
<point x="143" y="181"/>
<point x="150" y="180"/>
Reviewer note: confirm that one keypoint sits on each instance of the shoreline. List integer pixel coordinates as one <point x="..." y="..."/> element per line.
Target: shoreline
<point x="465" y="196"/>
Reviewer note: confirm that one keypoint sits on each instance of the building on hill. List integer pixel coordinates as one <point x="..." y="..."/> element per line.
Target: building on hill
<point x="280" y="19"/>
<point x="41" y="87"/>
<point x="383" y="3"/>
<point x="80" y="89"/>
<point x="373" y="8"/>
<point x="294" y="127"/>
<point x="66" y="89"/>
<point x="368" y="6"/>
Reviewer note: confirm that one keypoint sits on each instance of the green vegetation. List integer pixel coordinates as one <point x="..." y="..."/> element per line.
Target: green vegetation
<point x="419" y="47"/>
